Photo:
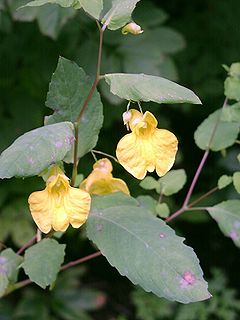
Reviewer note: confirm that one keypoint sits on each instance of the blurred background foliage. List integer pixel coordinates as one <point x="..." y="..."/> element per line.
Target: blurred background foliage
<point x="185" y="41"/>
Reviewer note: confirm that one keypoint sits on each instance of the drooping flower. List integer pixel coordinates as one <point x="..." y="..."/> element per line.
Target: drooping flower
<point x="59" y="204"/>
<point x="101" y="181"/>
<point x="132" y="28"/>
<point x="146" y="148"/>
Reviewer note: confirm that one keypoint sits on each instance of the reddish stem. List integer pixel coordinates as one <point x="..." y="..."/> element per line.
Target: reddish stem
<point x="26" y="245"/>
<point x="81" y="260"/>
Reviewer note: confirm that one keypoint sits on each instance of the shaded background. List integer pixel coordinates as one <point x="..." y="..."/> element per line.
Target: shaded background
<point x="186" y="41"/>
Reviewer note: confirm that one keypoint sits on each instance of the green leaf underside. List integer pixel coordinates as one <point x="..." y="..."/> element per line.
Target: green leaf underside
<point x="42" y="261"/>
<point x="68" y="91"/>
<point x="172" y="182"/>
<point x="141" y="87"/>
<point x="62" y="3"/>
<point x="149" y="183"/>
<point x="146" y="250"/>
<point x="119" y="14"/>
<point x="231" y="113"/>
<point x="34" y="151"/>
<point x="162" y="210"/>
<point x="225" y="134"/>
<point x="231" y="88"/>
<point x="148" y="203"/>
<point x="92" y="7"/>
<point x="50" y="16"/>
<point x="236" y="181"/>
<point x="224" y="181"/>
<point x="227" y="216"/>
<point x="9" y="262"/>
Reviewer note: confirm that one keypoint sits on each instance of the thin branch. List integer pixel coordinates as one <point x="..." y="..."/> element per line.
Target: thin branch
<point x="27" y="244"/>
<point x="203" y="197"/>
<point x="75" y="155"/>
<point x="90" y="94"/>
<point x="26" y="282"/>
<point x="195" y="179"/>
<point x="81" y="260"/>
<point x="94" y="157"/>
<point x="105" y="154"/>
<point x="197" y="209"/>
<point x="97" y="74"/>
<point x="175" y="214"/>
<point x="185" y="205"/>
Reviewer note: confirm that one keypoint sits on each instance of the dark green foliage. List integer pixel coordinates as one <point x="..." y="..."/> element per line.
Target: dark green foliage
<point x="182" y="40"/>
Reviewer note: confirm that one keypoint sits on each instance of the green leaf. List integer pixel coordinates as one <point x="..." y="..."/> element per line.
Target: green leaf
<point x="224" y="136"/>
<point x="227" y="216"/>
<point x="63" y="3"/>
<point x="68" y="91"/>
<point x="232" y="83"/>
<point x="238" y="157"/>
<point x="119" y="14"/>
<point x="116" y="198"/>
<point x="92" y="7"/>
<point x="17" y="210"/>
<point x="162" y="210"/>
<point x="149" y="183"/>
<point x="34" y="151"/>
<point x="236" y="181"/>
<point x="172" y="182"/>
<point x="12" y="262"/>
<point x="232" y="88"/>
<point x="147" y="251"/>
<point x="50" y="17"/>
<point x="9" y="263"/>
<point x="231" y="113"/>
<point x="148" y="203"/>
<point x="141" y="87"/>
<point x="3" y="280"/>
<point x="42" y="261"/>
<point x="224" y="181"/>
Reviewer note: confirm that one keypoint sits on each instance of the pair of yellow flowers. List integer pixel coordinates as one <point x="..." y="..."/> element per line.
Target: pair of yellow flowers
<point x="146" y="148"/>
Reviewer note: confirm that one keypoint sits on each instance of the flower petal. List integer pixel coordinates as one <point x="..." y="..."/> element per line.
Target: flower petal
<point x="166" y="144"/>
<point x="55" y="209"/>
<point x="119" y="185"/>
<point x="41" y="207"/>
<point x="77" y="205"/>
<point x="103" y="165"/>
<point x="130" y="154"/>
<point x="139" y="154"/>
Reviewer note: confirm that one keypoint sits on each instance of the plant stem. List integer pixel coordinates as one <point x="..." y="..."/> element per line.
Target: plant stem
<point x="197" y="209"/>
<point x="186" y="205"/>
<point x="27" y="244"/>
<point x="26" y="282"/>
<point x="81" y="260"/>
<point x="202" y="197"/>
<point x="90" y="94"/>
<point x="195" y="178"/>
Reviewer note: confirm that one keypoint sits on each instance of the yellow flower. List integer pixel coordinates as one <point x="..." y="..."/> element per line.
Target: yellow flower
<point x="146" y="148"/>
<point x="59" y="204"/>
<point x="101" y="181"/>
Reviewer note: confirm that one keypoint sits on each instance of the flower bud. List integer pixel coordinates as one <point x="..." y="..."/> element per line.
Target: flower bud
<point x="133" y="28"/>
<point x="126" y="117"/>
